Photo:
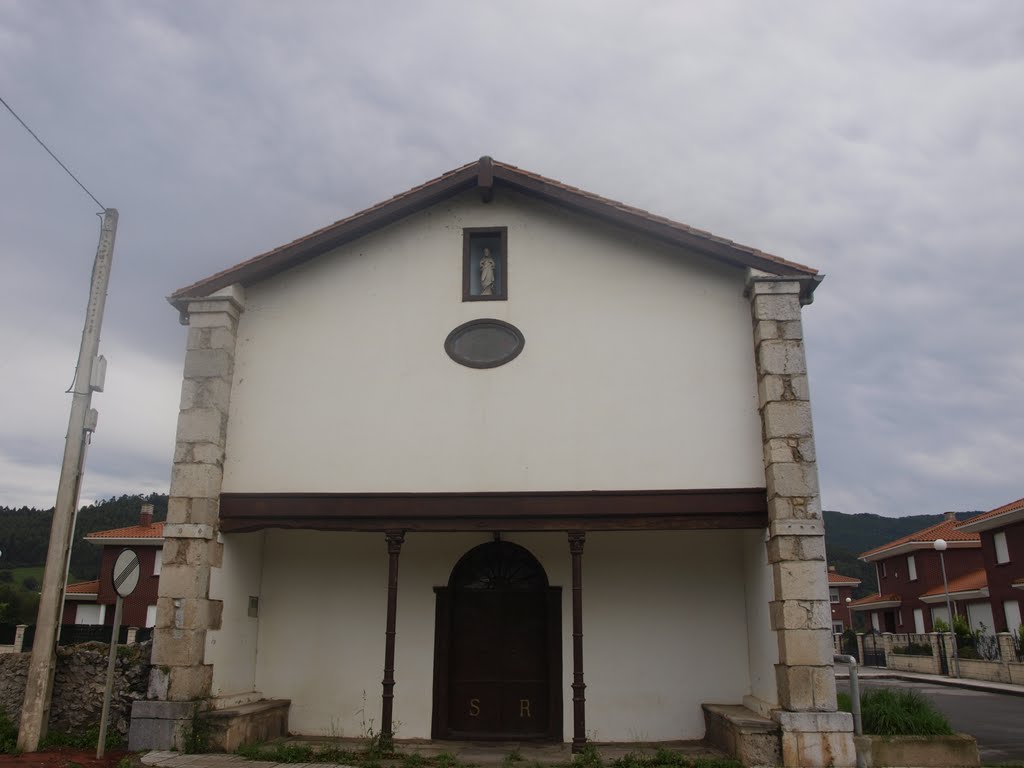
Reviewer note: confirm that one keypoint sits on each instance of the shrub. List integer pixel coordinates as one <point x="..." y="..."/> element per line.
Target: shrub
<point x="886" y="712"/>
<point x="914" y="649"/>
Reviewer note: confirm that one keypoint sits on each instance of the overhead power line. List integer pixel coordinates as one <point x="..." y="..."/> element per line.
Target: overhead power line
<point x="66" y="170"/>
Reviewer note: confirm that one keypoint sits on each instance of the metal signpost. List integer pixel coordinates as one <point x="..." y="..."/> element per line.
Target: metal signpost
<point x="126" y="578"/>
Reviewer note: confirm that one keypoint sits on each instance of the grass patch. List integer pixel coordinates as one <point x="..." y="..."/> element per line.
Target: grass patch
<point x="84" y="739"/>
<point x="886" y="712"/>
<point x="666" y="758"/>
<point x="8" y="735"/>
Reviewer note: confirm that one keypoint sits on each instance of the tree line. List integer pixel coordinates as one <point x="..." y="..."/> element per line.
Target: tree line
<point x="25" y="531"/>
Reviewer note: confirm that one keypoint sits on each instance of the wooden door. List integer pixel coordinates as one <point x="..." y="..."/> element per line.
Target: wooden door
<point x="497" y="652"/>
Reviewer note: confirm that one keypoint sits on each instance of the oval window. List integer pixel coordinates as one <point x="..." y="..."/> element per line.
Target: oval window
<point x="484" y="343"/>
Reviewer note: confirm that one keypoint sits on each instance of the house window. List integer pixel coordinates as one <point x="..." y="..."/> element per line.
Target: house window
<point x="150" y="615"/>
<point x="919" y="621"/>
<point x="485" y="264"/>
<point x="881" y="568"/>
<point x="1011" y="610"/>
<point x="1002" y="551"/>
<point x="911" y="568"/>
<point x="158" y="560"/>
<point x="833" y="595"/>
<point x="837" y="627"/>
<point x="899" y="617"/>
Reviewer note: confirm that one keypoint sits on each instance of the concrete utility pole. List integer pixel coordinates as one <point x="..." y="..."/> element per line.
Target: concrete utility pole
<point x="35" y="714"/>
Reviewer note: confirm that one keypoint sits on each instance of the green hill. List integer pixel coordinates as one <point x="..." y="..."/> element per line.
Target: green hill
<point x="846" y="536"/>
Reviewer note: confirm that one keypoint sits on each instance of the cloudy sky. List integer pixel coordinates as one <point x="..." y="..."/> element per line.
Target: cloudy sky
<point x="882" y="142"/>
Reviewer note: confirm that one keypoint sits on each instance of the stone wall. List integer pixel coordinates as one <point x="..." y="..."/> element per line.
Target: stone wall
<point x="78" y="685"/>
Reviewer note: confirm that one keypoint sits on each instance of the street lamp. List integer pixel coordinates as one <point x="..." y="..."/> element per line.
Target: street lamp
<point x="940" y="547"/>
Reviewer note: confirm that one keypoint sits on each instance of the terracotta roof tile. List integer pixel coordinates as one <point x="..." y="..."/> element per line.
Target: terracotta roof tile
<point x="83" y="588"/>
<point x="1012" y="506"/>
<point x="946" y="529"/>
<point x="876" y="598"/>
<point x="838" y="578"/>
<point x="153" y="531"/>
<point x="969" y="582"/>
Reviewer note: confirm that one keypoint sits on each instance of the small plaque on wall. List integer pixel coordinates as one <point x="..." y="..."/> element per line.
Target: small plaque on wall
<point x="485" y="343"/>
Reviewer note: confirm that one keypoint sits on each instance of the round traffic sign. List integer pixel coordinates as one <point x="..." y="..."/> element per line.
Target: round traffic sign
<point x="126" y="573"/>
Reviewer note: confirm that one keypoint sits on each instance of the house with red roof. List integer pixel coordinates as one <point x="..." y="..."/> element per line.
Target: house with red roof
<point x="840" y="595"/>
<point x="911" y="592"/>
<point x="91" y="602"/>
<point x="1002" y="550"/>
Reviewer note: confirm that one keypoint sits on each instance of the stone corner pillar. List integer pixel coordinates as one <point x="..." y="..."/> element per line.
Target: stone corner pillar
<point x="180" y="677"/>
<point x="813" y="732"/>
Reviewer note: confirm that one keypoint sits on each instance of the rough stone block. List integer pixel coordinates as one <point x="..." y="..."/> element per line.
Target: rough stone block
<point x="799" y="386"/>
<point x="790" y="418"/>
<point x="811" y="750"/>
<point x="212" y="393"/>
<point x="161" y="726"/>
<point x="178" y="648"/>
<point x="958" y="750"/>
<point x="207" y="363"/>
<point x="196" y="481"/>
<point x="183" y="581"/>
<point x="178" y="509"/>
<point x="779" y="451"/>
<point x="807" y="689"/>
<point x="791" y="329"/>
<point x="792" y="480"/>
<point x="222" y="337"/>
<point x="805" y="647"/>
<point x="800" y="580"/>
<point x="190" y="683"/>
<point x="772" y="387"/>
<point x="207" y="453"/>
<point x="775" y="307"/>
<point x="253" y="723"/>
<point x="783" y="357"/>
<point x="795" y="548"/>
<point x="800" y="614"/>
<point x="806" y="450"/>
<point x="741" y="733"/>
<point x="771" y="286"/>
<point x="766" y="330"/>
<point x="201" y="425"/>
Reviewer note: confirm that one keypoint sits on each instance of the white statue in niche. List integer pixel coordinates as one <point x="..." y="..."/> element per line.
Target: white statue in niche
<point x="487" y="273"/>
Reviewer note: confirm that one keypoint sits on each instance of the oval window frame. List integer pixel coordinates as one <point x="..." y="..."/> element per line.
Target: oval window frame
<point x="461" y="330"/>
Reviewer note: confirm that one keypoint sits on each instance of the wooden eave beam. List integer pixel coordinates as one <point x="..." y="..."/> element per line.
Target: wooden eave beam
<point x="596" y="510"/>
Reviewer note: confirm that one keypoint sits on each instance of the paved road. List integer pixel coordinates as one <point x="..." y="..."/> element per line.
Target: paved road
<point x="995" y="720"/>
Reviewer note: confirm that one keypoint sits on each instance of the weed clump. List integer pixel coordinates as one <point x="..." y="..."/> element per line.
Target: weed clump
<point x="886" y="712"/>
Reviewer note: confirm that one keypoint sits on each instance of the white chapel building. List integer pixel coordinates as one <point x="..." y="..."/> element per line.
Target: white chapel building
<point x="498" y="458"/>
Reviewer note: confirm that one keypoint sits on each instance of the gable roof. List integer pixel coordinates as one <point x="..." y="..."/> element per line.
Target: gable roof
<point x="996" y="518"/>
<point x="975" y="581"/>
<point x="891" y="600"/>
<point x="82" y="590"/>
<point x="153" y="531"/>
<point x="923" y="539"/>
<point x="839" y="579"/>
<point x="486" y="175"/>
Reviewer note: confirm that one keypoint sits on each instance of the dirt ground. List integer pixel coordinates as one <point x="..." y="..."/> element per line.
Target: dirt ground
<point x="63" y="758"/>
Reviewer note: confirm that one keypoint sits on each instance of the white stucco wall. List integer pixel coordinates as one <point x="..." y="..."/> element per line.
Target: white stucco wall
<point x="664" y="627"/>
<point x="232" y="649"/>
<point x="637" y="371"/>
<point x="762" y="642"/>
